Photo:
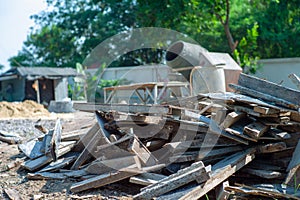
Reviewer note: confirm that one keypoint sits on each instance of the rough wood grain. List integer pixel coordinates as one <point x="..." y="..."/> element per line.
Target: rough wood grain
<point x="270" y="88"/>
<point x="220" y="172"/>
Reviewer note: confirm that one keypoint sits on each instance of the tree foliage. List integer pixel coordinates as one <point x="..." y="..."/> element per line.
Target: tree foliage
<point x="248" y="29"/>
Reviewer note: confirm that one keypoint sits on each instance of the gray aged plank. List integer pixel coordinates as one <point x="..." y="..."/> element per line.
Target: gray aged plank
<point x="149" y="109"/>
<point x="196" y="171"/>
<point x="220" y="172"/>
<point x="270" y="88"/>
<point x="101" y="180"/>
<point x="146" y="178"/>
<point x="265" y="96"/>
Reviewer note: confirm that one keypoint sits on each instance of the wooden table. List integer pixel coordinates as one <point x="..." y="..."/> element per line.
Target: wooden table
<point x="145" y="91"/>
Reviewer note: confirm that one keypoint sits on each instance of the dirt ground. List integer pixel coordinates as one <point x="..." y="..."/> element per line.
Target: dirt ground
<point x="15" y="178"/>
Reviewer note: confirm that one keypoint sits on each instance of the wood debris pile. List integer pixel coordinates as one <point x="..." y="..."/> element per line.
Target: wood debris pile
<point x="241" y="144"/>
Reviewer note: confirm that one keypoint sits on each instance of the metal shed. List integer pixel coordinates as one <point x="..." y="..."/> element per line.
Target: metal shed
<point x="41" y="84"/>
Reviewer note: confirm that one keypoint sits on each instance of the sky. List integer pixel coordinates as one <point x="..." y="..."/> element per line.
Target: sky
<point x="15" y="25"/>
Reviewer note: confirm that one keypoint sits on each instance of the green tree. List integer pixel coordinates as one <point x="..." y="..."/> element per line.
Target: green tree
<point x="69" y="30"/>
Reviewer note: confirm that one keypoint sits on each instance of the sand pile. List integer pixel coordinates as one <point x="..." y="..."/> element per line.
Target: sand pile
<point x="26" y="109"/>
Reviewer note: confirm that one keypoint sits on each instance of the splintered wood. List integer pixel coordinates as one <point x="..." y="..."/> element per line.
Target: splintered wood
<point x="214" y="145"/>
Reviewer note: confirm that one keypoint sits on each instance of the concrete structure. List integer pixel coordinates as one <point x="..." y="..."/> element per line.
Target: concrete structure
<point x="278" y="69"/>
<point x="42" y="84"/>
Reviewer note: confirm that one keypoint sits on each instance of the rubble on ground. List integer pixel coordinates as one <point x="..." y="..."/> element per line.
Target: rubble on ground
<point x="219" y="145"/>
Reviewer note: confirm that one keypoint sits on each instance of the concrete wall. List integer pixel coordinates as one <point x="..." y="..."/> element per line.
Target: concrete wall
<point x="278" y="69"/>
<point x="136" y="74"/>
<point x="18" y="89"/>
<point x="60" y="89"/>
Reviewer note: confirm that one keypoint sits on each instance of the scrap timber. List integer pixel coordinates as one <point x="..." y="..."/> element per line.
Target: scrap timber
<point x="219" y="145"/>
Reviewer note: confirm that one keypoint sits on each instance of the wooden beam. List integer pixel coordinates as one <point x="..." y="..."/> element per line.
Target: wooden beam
<point x="232" y="118"/>
<point x="149" y="109"/>
<point x="264" y="96"/>
<point x="105" y="166"/>
<point x="220" y="172"/>
<point x="146" y="178"/>
<point x="221" y="193"/>
<point x="196" y="171"/>
<point x="139" y="149"/>
<point x="101" y="180"/>
<point x="267" y="87"/>
<point x="255" y="129"/>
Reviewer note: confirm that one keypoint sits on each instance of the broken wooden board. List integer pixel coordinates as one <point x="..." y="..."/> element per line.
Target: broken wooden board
<point x="232" y="118"/>
<point x="12" y="194"/>
<point x="101" y="180"/>
<point x="271" y="147"/>
<point x="32" y="148"/>
<point x="139" y="149"/>
<point x="55" y="140"/>
<point x="255" y="129"/>
<point x="83" y="142"/>
<point x="269" y="88"/>
<point x="105" y="166"/>
<point x="264" y="96"/>
<point x="294" y="164"/>
<point x="87" y="152"/>
<point x="58" y="175"/>
<point x="221" y="193"/>
<point x="148" y="109"/>
<point x="220" y="172"/>
<point x="203" y="154"/>
<point x="265" y="110"/>
<point x="10" y="140"/>
<point x="196" y="171"/>
<point x="267" y="174"/>
<point x="146" y="178"/>
<point x="270" y="191"/>
<point x="60" y="163"/>
<point x="33" y="165"/>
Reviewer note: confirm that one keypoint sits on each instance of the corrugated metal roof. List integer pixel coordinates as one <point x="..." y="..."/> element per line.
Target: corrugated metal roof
<point x="47" y="71"/>
<point x="39" y="72"/>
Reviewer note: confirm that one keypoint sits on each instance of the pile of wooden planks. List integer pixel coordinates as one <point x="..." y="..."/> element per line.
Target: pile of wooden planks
<point x="241" y="144"/>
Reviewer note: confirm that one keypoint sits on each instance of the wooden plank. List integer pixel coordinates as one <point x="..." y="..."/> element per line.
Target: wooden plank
<point x="196" y="171"/>
<point x="60" y="163"/>
<point x="260" y="191"/>
<point x="148" y="109"/>
<point x="83" y="142"/>
<point x="270" y="88"/>
<point x="264" y="96"/>
<point x="12" y="194"/>
<point x="295" y="161"/>
<point x="137" y="147"/>
<point x="220" y="172"/>
<point x="100" y="180"/>
<point x="267" y="174"/>
<point x="33" y="165"/>
<point x="56" y="139"/>
<point x="105" y="166"/>
<point x="295" y="116"/>
<point x="265" y="110"/>
<point x="32" y="149"/>
<point x="203" y="154"/>
<point x="271" y="147"/>
<point x="221" y="193"/>
<point x="238" y="132"/>
<point x="146" y="178"/>
<point x="232" y="118"/>
<point x="86" y="154"/>
<point x="10" y="140"/>
<point x="255" y="129"/>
